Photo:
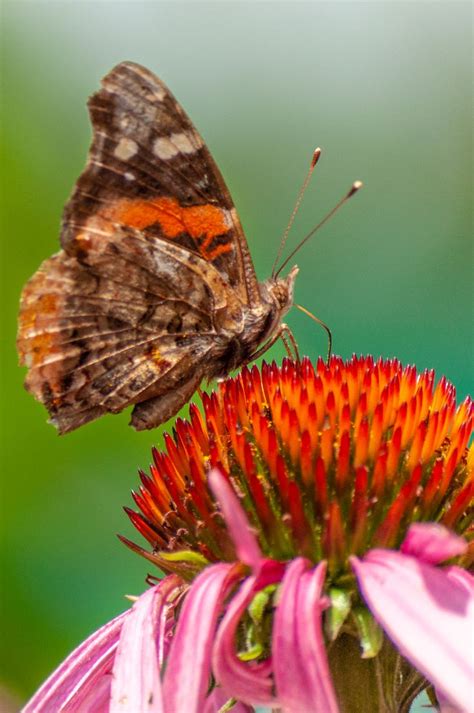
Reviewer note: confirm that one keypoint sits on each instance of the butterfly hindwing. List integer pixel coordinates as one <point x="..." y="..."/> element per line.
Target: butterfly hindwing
<point x="93" y="345"/>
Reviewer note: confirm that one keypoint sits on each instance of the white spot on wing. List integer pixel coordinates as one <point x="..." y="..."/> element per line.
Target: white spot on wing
<point x="183" y="142"/>
<point x="157" y="95"/>
<point x="167" y="147"/>
<point x="203" y="182"/>
<point x="125" y="149"/>
<point x="164" y="149"/>
<point x="129" y="176"/>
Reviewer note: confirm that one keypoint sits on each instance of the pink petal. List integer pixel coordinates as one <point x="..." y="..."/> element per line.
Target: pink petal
<point x="78" y="683"/>
<point x="428" y="615"/>
<point x="136" y="684"/>
<point x="461" y="577"/>
<point x="432" y="543"/>
<point x="302" y="677"/>
<point x="243" y="537"/>
<point x="189" y="663"/>
<point x="245" y="681"/>
<point x="97" y="700"/>
<point x="445" y="706"/>
<point x="219" y="698"/>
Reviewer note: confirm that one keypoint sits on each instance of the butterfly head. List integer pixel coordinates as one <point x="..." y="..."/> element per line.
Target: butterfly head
<point x="281" y="290"/>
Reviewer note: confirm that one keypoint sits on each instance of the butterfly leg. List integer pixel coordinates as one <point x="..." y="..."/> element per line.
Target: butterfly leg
<point x="283" y="330"/>
<point x="264" y="348"/>
<point x="287" y="333"/>
<point x="322" y="324"/>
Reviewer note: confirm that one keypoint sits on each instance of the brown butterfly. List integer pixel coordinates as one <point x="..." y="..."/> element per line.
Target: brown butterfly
<point x="154" y="289"/>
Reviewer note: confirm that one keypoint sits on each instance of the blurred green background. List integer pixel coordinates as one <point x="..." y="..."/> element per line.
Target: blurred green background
<point x="384" y="88"/>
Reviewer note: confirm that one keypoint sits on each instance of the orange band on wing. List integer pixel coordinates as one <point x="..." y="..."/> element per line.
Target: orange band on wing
<point x="211" y="254"/>
<point x="45" y="304"/>
<point x="174" y="219"/>
<point x="40" y="347"/>
<point x="202" y="221"/>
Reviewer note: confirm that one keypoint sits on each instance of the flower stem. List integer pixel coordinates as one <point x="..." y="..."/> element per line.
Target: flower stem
<point x="385" y="683"/>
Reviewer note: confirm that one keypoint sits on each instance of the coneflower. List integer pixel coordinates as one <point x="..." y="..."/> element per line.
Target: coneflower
<point x="312" y="526"/>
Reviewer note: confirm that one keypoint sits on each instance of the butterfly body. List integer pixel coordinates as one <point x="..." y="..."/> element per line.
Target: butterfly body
<point x="154" y="289"/>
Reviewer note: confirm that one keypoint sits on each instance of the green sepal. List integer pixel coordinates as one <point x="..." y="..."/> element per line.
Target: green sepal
<point x="337" y="613"/>
<point x="257" y="629"/>
<point x="227" y="706"/>
<point x="369" y="632"/>
<point x="259" y="603"/>
<point x="254" y="651"/>
<point x="195" y="558"/>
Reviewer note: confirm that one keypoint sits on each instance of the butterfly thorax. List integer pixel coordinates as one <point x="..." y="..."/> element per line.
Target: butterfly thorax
<point x="259" y="322"/>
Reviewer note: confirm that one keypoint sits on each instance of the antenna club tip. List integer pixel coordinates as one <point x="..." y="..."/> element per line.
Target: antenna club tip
<point x="316" y="155"/>
<point x="356" y="186"/>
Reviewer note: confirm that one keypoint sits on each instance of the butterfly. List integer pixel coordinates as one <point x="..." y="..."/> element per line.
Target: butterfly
<point x="154" y="289"/>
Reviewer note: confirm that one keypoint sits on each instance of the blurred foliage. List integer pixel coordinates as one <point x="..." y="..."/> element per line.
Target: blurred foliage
<point x="383" y="88"/>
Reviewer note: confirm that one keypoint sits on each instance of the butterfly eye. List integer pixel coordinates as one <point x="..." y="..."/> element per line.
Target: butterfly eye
<point x="280" y="293"/>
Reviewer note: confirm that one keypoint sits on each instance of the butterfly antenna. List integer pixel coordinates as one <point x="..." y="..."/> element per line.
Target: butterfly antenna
<point x="353" y="189"/>
<point x="321" y="323"/>
<point x="302" y="191"/>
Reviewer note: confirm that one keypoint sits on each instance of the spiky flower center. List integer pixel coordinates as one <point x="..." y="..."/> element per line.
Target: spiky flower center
<point x="327" y="459"/>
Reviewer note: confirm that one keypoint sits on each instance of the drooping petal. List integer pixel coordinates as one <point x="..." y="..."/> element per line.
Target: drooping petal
<point x="302" y="677"/>
<point x="96" y="700"/>
<point x="136" y="684"/>
<point x="432" y="543"/>
<point x="245" y="681"/>
<point x="428" y="615"/>
<point x="79" y="682"/>
<point x="290" y="675"/>
<point x="461" y="577"/>
<point x="218" y="698"/>
<point x="189" y="663"/>
<point x="245" y="542"/>
<point x="446" y="706"/>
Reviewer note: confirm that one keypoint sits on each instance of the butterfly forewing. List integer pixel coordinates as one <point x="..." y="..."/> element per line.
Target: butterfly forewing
<point x="149" y="169"/>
